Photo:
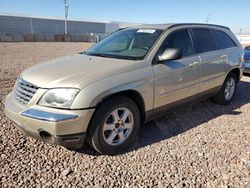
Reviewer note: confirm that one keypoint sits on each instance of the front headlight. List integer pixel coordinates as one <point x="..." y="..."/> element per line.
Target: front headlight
<point x="60" y="98"/>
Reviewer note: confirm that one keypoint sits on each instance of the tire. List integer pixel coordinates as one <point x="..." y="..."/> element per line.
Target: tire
<point x="221" y="97"/>
<point x="110" y="132"/>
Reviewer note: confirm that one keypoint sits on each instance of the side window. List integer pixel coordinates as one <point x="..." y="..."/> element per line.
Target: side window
<point x="181" y="40"/>
<point x="224" y="39"/>
<point x="204" y="40"/>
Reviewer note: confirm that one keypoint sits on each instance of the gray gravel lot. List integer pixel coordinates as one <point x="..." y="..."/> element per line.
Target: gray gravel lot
<point x="198" y="145"/>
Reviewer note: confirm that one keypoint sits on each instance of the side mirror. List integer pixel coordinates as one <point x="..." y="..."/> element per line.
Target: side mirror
<point x="170" y="54"/>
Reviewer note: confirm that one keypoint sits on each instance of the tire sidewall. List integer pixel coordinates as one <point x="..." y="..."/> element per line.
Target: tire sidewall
<point x="231" y="75"/>
<point x="97" y="140"/>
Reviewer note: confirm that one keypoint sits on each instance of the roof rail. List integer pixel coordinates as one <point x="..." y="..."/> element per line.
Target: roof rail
<point x="197" y="24"/>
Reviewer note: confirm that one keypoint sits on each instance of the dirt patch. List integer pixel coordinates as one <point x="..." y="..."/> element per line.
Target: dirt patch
<point x="199" y="145"/>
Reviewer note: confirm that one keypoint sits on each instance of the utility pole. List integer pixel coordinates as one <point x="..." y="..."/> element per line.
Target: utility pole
<point x="31" y="26"/>
<point x="240" y="31"/>
<point x="66" y="16"/>
<point x="207" y="18"/>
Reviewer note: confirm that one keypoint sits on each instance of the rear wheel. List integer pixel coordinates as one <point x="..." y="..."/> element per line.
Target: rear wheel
<point x="114" y="125"/>
<point x="227" y="90"/>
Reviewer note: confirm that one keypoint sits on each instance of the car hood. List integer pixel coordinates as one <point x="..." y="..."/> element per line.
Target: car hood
<point x="247" y="54"/>
<point x="75" y="71"/>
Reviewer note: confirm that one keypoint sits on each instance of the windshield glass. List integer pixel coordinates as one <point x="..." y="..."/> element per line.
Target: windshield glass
<point x="126" y="44"/>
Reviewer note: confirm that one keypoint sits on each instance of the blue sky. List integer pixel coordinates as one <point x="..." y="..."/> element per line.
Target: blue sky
<point x="232" y="13"/>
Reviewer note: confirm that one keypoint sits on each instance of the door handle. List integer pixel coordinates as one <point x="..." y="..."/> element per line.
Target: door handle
<point x="223" y="57"/>
<point x="193" y="64"/>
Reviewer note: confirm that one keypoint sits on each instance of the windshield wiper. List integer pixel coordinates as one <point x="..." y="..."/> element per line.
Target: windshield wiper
<point x="82" y="52"/>
<point x="98" y="54"/>
<point x="113" y="56"/>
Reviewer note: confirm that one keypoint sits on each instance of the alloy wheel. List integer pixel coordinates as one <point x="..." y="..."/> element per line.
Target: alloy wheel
<point x="229" y="89"/>
<point x="118" y="126"/>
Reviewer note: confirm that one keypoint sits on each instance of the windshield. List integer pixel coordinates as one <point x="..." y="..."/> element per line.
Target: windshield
<point x="126" y="44"/>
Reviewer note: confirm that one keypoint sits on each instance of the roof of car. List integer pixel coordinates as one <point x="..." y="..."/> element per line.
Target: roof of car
<point x="171" y="25"/>
<point x="155" y="26"/>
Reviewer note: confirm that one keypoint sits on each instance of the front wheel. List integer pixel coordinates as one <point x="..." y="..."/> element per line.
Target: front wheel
<point x="227" y="90"/>
<point x="114" y="125"/>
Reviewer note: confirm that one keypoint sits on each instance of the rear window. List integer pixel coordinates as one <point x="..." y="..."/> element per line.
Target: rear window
<point x="204" y="40"/>
<point x="224" y="39"/>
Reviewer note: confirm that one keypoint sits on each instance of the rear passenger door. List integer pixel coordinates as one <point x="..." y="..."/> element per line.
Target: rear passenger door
<point x="213" y="59"/>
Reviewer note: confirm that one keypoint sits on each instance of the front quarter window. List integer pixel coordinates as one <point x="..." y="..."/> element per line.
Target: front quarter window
<point x="126" y="44"/>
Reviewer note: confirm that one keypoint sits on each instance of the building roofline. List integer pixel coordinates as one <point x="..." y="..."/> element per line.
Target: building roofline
<point x="52" y="18"/>
<point x="160" y="26"/>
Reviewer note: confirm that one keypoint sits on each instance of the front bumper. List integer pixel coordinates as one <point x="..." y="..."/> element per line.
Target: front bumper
<point x="63" y="127"/>
<point x="246" y="67"/>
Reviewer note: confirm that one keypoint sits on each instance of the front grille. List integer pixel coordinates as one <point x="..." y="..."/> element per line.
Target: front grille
<point x="24" y="91"/>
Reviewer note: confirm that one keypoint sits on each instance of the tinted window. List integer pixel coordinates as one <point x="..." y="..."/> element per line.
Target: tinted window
<point x="224" y="39"/>
<point x="180" y="40"/>
<point x="204" y="40"/>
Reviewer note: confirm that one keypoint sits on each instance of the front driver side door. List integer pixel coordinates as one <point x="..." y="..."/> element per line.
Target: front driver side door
<point x="177" y="80"/>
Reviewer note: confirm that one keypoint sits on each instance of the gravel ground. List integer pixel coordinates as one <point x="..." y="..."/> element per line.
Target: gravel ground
<point x="199" y="145"/>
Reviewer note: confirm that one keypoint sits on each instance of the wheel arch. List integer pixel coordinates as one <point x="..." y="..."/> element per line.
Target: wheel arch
<point x="133" y="95"/>
<point x="236" y="71"/>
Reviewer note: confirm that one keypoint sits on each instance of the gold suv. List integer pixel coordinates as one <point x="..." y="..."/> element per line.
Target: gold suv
<point x="104" y="94"/>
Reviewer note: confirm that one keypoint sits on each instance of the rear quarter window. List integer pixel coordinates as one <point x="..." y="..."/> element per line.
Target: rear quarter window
<point x="204" y="40"/>
<point x="224" y="39"/>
